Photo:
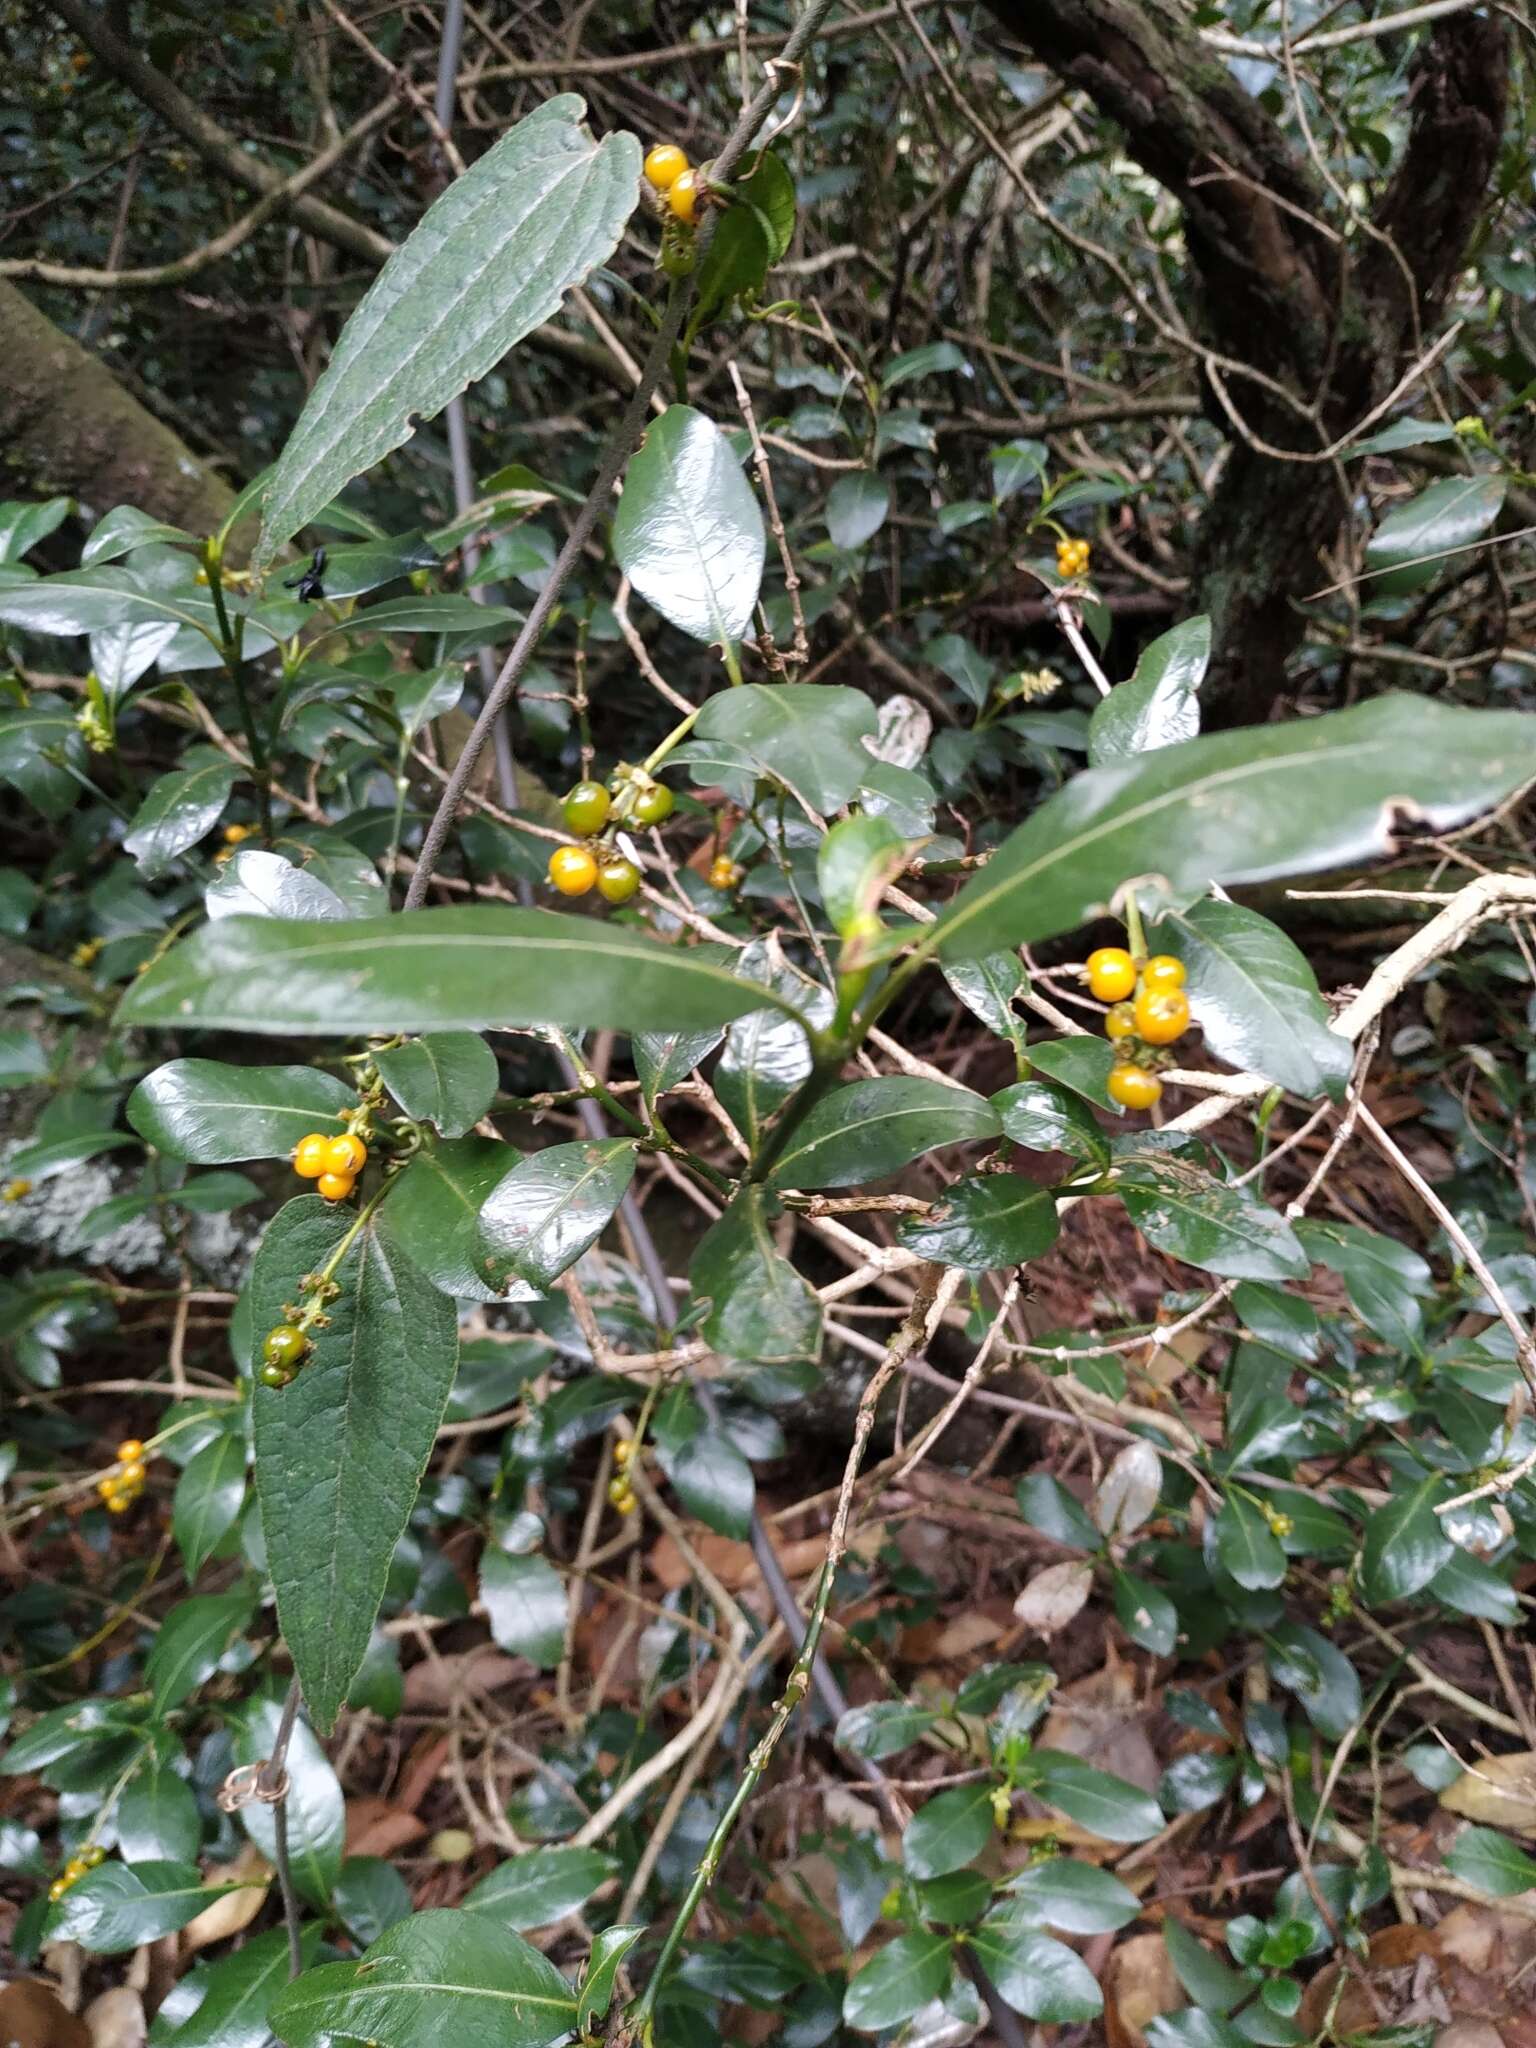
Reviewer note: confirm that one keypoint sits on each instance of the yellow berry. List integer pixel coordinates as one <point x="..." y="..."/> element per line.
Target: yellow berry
<point x="311" y="1155"/>
<point x="14" y="1190"/>
<point x="623" y="1450"/>
<point x="627" y="1505"/>
<point x="723" y="872"/>
<point x="664" y="165"/>
<point x="93" y="1856"/>
<point x="57" y="1889"/>
<point x="619" y="1489"/>
<point x="1111" y="973"/>
<point x="1121" y="1022"/>
<point x="132" y="1476"/>
<point x="1133" y="1087"/>
<point x="129" y="1451"/>
<point x="1163" y="971"/>
<point x="346" y="1155"/>
<point x="683" y="196"/>
<point x="119" y="1503"/>
<point x="572" y="870"/>
<point x="335" y="1187"/>
<point x="1162" y="1015"/>
<point x="233" y="834"/>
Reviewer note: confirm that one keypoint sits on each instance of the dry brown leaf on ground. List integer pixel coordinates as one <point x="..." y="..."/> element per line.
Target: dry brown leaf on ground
<point x="375" y="1827"/>
<point x="32" y="2015"/>
<point x="116" y="2019"/>
<point x="433" y="1685"/>
<point x="236" y="1910"/>
<point x="1499" y="1791"/>
<point x="1055" y="1596"/>
<point x="1139" y="1983"/>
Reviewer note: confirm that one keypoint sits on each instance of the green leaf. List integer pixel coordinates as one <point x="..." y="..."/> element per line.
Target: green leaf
<point x="758" y="1307"/>
<point x="157" y="1817"/>
<point x="540" y="1886"/>
<point x="750" y="236"/>
<point x="1405" y="1544"/>
<point x="767" y="1055"/>
<point x="808" y="735"/>
<point x="490" y="261"/>
<point x="1246" y="1547"/>
<point x="1015" y="464"/>
<point x="453" y="969"/>
<point x="857" y="507"/>
<point x="884" y="1728"/>
<point x="340" y="1452"/>
<point x="1491" y="1861"/>
<point x="927" y="361"/>
<point x="1283" y="1321"/>
<point x="1047" y="1506"/>
<point x="1412" y="541"/>
<point x="417" y="696"/>
<point x="1081" y="1063"/>
<point x="872" y="1128"/>
<point x="1039" y="1977"/>
<point x="855" y="861"/>
<point x="446" y="1078"/>
<point x="1107" y="1805"/>
<point x="99" y="600"/>
<point x="23" y="525"/>
<point x="1079" y="1898"/>
<point x="1148" y="1616"/>
<point x="1160" y="705"/>
<point x="446" y="1976"/>
<point x="239" y="1990"/>
<point x="1470" y="1586"/>
<point x="330" y="858"/>
<point x="193" y="1638"/>
<point x="260" y="884"/>
<point x="948" y="1832"/>
<point x="28" y="736"/>
<point x="1221" y="1228"/>
<point x="526" y="1604"/>
<point x="688" y="533"/>
<point x="664" y="1058"/>
<point x="179" y="809"/>
<point x="1254" y="996"/>
<point x="1320" y="1676"/>
<point x="708" y="1473"/>
<point x="609" y="1948"/>
<point x="1240" y="806"/>
<point x="209" y="1113"/>
<point x="317" y="1815"/>
<point x="1197" y="1781"/>
<point x="551" y="1208"/>
<point x="357" y="567"/>
<point x="993" y="1220"/>
<point x="209" y="1496"/>
<point x="987" y="988"/>
<point x="433" y="1215"/>
<point x="122" y="530"/>
<point x="45" y="1157"/>
<point x="893" y="1984"/>
<point x="123" y="1905"/>
<point x="1044" y="1118"/>
<point x="1382" y="1276"/>
<point x="1210" y="1982"/>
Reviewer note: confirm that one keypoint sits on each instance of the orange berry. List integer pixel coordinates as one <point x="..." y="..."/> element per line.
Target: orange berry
<point x="572" y="870"/>
<point x="664" y="165"/>
<point x="1111" y="973"/>
<point x="345" y="1155"/>
<point x="129" y="1451"/>
<point x="335" y="1186"/>
<point x="1162" y="1015"/>
<point x="683" y="196"/>
<point x="1133" y="1087"/>
<point x="1121" y="1022"/>
<point x="1163" y="970"/>
<point x="309" y="1155"/>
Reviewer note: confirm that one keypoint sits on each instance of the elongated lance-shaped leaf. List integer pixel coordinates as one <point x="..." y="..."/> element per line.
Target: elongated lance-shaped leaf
<point x="485" y="266"/>
<point x="340" y="1452"/>
<point x="1240" y="807"/>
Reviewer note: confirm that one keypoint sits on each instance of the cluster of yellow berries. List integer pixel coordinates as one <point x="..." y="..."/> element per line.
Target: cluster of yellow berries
<point x="621" y="1491"/>
<point x="1149" y="1010"/>
<point x="75" y="1869"/>
<point x="668" y="171"/>
<point x="333" y="1164"/>
<point x="233" y="836"/>
<point x="1072" y="559"/>
<point x="122" y="1486"/>
<point x="724" y="873"/>
<point x="593" y="810"/>
<point x="86" y="952"/>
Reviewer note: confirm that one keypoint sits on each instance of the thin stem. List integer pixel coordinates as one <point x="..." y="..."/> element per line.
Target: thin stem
<point x="272" y="1779"/>
<point x="231" y="636"/>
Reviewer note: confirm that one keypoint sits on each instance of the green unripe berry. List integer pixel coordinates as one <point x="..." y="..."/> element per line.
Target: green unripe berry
<point x="653" y="804"/>
<point x="586" y="808"/>
<point x="275" y="1375"/>
<point x="284" y="1346"/>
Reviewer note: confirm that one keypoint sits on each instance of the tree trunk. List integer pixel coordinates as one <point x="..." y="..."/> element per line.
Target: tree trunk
<point x="67" y="425"/>
<point x="1328" y="311"/>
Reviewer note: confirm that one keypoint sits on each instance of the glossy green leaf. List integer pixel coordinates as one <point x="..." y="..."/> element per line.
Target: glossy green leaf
<point x="209" y="1496"/>
<point x="1047" y="1506"/>
<point x="1160" y="705"/>
<point x="1384" y="1277"/>
<point x="178" y="811"/>
<point x="884" y="1728"/>
<point x="1195" y="1782"/>
<point x="29" y="734"/>
<point x="551" y="1207"/>
<point x="1491" y="1861"/>
<point x="750" y="236"/>
<point x="990" y="1221"/>
<point x="356" y="567"/>
<point x="1405" y="1544"/>
<point x="1241" y="806"/>
<point x="1319" y="1674"/>
<point x="1108" y="1806"/>
<point x="1254" y="996"/>
<point x="1246" y="1546"/>
<point x="1081" y="1063"/>
<point x="210" y="1113"/>
<point x="1146" y="1614"/>
<point x="1079" y="1898"/>
<point x="928" y="361"/>
<point x="238" y="1994"/>
<point x="99" y="600"/>
<point x="704" y="1467"/>
<point x="1213" y="1984"/>
<point x="331" y="858"/>
<point x="490" y="261"/>
<point x="858" y="505"/>
<point x="122" y="1905"/>
<point x="598" y="1979"/>
<point x="1212" y="1224"/>
<point x="540" y="1886"/>
<point x="948" y="1831"/>
<point x="663" y="1059"/>
<point x="317" y="1817"/>
<point x="526" y="1605"/>
<point x="1413" y="539"/>
<point x="892" y="1985"/>
<point x="1469" y="1586"/>
<point x="192" y="1639"/>
<point x="1283" y="1321"/>
<point x="446" y="1078"/>
<point x="433" y="1216"/>
<point x="1041" y="1978"/>
<point x="767" y="1055"/>
<point x="873" y="1128"/>
<point x="340" y="1452"/>
<point x="157" y="1817"/>
<point x="809" y="735"/>
<point x="855" y="861"/>
<point x="688" y="533"/>
<point x="1045" y="1118"/>
<point x="260" y="884"/>
<point x="987" y="987"/>
<point x="452" y="969"/>
<point x="23" y="524"/>
<point x="758" y="1306"/>
<point x="448" y="1976"/>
